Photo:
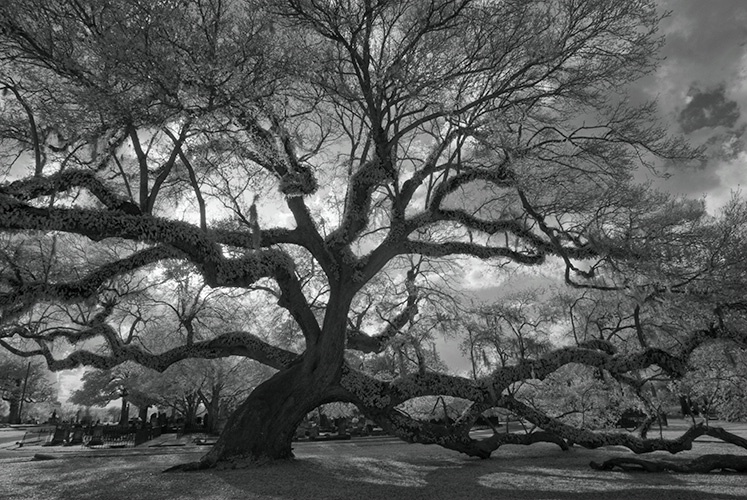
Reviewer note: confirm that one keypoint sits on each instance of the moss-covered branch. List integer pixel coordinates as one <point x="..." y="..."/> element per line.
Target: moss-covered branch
<point x="593" y="439"/>
<point x="229" y="344"/>
<point x="357" y="210"/>
<point x="23" y="295"/>
<point x="380" y="398"/>
<point x="451" y="435"/>
<point x="194" y="244"/>
<point x="489" y="389"/>
<point x="34" y="187"/>
<point x="430" y="249"/>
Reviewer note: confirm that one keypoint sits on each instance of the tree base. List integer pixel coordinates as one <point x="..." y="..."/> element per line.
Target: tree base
<point x="190" y="467"/>
<point x="227" y="464"/>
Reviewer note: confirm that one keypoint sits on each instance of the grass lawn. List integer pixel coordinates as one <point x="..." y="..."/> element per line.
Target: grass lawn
<point x="365" y="469"/>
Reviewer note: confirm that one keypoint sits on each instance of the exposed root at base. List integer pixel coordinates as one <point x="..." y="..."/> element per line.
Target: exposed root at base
<point x="191" y="466"/>
<point x="228" y="464"/>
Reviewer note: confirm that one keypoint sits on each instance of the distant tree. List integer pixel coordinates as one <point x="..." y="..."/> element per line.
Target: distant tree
<point x="217" y="385"/>
<point x="22" y="383"/>
<point x="225" y="385"/>
<point x="515" y="329"/>
<point x="101" y="387"/>
<point x="717" y="383"/>
<point x="580" y="396"/>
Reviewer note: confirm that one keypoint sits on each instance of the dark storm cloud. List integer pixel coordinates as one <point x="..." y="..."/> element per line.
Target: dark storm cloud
<point x="704" y="55"/>
<point x="701" y="89"/>
<point x="705" y="34"/>
<point x="708" y="109"/>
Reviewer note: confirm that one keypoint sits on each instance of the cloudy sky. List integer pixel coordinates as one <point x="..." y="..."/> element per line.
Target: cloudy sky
<point x="701" y="88"/>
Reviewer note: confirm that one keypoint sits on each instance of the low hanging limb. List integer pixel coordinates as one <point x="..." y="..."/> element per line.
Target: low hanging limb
<point x="700" y="465"/>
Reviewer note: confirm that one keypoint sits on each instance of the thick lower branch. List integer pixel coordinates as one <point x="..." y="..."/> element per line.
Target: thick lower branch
<point x="229" y="344"/>
<point x="700" y="465"/>
<point x="379" y="399"/>
<point x="35" y="187"/>
<point x="592" y="439"/>
<point x="25" y="295"/>
<point x="191" y="241"/>
<point x="462" y="248"/>
<point x="456" y="436"/>
<point x="488" y="390"/>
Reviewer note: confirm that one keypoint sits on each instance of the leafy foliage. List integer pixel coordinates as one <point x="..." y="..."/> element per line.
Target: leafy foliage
<point x="716" y="383"/>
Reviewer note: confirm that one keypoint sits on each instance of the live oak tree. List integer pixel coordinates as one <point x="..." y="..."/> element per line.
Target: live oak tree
<point x="375" y="132"/>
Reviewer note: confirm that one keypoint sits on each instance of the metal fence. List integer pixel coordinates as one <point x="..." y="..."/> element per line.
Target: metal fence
<point x="99" y="436"/>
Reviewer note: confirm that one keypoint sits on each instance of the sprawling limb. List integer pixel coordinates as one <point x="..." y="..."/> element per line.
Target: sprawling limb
<point x="35" y="187"/>
<point x="591" y="439"/>
<point x="228" y="344"/>
<point x="189" y="240"/>
<point x="380" y="399"/>
<point x="455" y="436"/>
<point x="700" y="465"/>
<point x="23" y="295"/>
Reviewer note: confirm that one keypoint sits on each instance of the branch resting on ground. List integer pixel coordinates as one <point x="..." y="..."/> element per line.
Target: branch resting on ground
<point x="700" y="465"/>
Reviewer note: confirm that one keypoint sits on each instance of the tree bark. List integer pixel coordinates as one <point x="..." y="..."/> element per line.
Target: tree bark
<point x="190" y="411"/>
<point x="14" y="415"/>
<point x="143" y="413"/>
<point x="213" y="414"/>
<point x="124" y="413"/>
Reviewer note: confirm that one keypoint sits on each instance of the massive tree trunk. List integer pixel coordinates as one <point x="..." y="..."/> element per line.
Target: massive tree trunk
<point x="262" y="428"/>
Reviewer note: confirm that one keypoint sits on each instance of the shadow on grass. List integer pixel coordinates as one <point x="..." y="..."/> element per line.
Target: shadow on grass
<point x="545" y="475"/>
<point x="393" y="472"/>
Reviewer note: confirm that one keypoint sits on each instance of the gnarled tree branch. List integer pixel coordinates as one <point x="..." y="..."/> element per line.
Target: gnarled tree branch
<point x="228" y="344"/>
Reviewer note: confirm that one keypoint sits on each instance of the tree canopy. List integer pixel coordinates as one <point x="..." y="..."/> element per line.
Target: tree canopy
<point x="308" y="155"/>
